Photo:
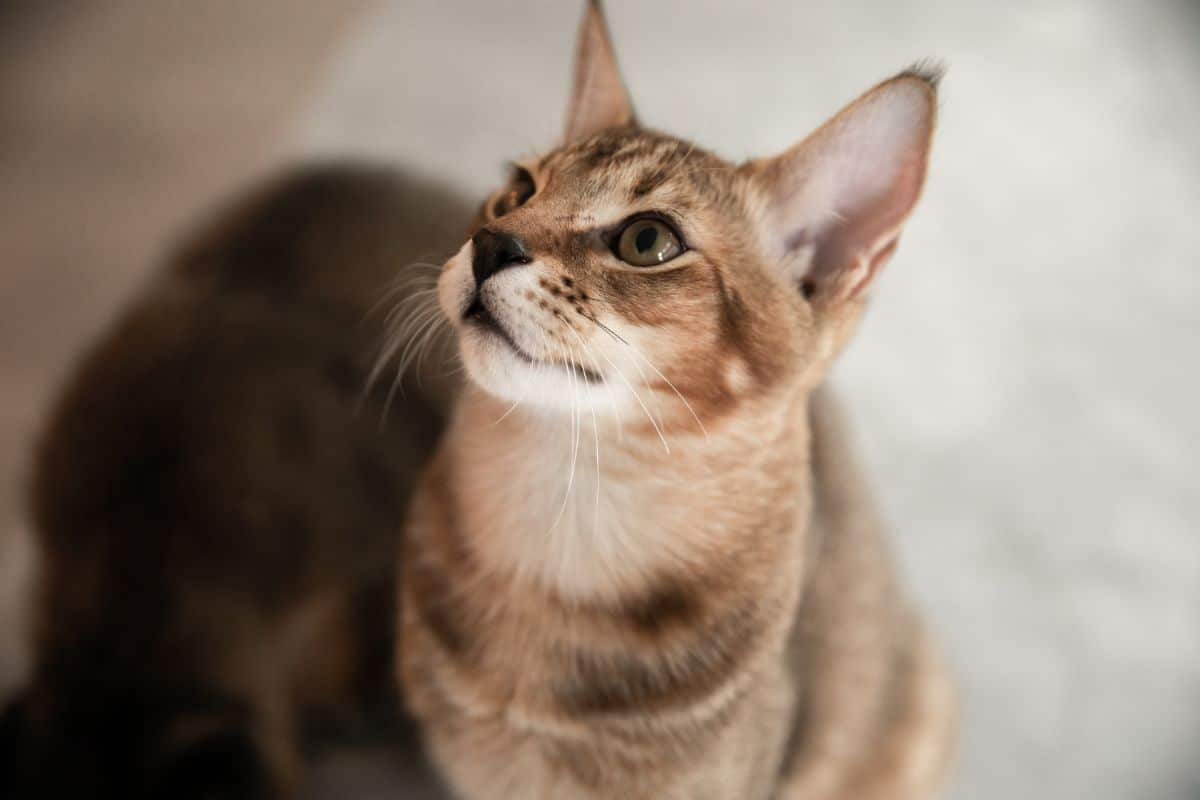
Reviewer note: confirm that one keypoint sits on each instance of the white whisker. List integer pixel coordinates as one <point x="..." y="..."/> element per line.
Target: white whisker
<point x="524" y="393"/>
<point x="414" y="341"/>
<point x="658" y="372"/>
<point x="403" y="280"/>
<point x="595" y="433"/>
<point x="395" y="329"/>
<point x="412" y="334"/>
<point x="646" y="385"/>
<point x="612" y="400"/>
<point x="574" y="446"/>
<point x="638" y="397"/>
<point x="596" y="437"/>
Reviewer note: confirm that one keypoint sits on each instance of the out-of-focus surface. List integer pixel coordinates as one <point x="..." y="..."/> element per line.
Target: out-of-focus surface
<point x="1023" y="387"/>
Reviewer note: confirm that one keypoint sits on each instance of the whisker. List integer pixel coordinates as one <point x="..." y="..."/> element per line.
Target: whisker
<point x="394" y="340"/>
<point x="408" y="275"/>
<point x="428" y="320"/>
<point x="510" y="410"/>
<point x="595" y="427"/>
<point x="658" y="372"/>
<point x="605" y="328"/>
<point x="683" y="159"/>
<point x="524" y="393"/>
<point x="596" y="437"/>
<point x="637" y="397"/>
<point x="646" y="384"/>
<point x="427" y="342"/>
<point x="574" y="446"/>
<point x="420" y="324"/>
<point x="612" y="400"/>
<point x="402" y="313"/>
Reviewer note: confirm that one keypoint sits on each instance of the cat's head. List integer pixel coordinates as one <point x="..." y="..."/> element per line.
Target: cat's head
<point x="627" y="264"/>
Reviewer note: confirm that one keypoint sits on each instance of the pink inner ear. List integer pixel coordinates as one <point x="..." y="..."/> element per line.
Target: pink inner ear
<point x="838" y="200"/>
<point x="873" y="266"/>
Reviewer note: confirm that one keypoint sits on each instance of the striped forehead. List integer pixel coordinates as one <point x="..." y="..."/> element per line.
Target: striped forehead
<point x="618" y="169"/>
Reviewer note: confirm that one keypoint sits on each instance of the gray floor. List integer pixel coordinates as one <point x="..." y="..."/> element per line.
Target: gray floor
<point x="1025" y="386"/>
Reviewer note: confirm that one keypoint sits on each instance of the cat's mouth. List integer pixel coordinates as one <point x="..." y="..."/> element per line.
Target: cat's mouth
<point x="478" y="315"/>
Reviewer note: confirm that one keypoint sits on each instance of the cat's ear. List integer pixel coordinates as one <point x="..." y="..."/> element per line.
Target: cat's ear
<point x="834" y="204"/>
<point x="598" y="96"/>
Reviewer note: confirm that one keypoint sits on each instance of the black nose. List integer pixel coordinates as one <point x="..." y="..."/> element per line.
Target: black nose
<point x="495" y="251"/>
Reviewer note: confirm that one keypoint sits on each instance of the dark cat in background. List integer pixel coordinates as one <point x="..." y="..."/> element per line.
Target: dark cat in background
<point x="218" y="505"/>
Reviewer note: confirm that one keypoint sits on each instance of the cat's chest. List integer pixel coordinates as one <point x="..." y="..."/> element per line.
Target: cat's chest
<point x="496" y="750"/>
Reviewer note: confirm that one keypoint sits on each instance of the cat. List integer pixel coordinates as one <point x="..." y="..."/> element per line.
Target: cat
<point x="218" y="504"/>
<point x="641" y="563"/>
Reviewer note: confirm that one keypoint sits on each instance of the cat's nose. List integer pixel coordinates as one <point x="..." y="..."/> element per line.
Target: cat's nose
<point x="495" y="251"/>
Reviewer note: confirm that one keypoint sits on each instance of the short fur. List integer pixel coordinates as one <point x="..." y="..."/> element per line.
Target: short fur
<point x="218" y="505"/>
<point x="641" y="564"/>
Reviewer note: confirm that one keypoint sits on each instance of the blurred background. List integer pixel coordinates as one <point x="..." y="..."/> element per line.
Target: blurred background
<point x="1024" y="388"/>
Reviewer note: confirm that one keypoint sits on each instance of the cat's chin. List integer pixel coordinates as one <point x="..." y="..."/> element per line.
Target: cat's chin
<point x="502" y="370"/>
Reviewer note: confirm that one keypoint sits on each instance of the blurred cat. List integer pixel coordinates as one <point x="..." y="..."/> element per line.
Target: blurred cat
<point x="218" y="504"/>
<point x="641" y="564"/>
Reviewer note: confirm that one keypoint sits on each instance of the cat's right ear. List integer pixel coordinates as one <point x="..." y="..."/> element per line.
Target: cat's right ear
<point x="598" y="96"/>
<point x="833" y="206"/>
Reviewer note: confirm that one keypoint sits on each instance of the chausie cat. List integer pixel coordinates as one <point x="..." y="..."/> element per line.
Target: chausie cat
<point x="640" y="565"/>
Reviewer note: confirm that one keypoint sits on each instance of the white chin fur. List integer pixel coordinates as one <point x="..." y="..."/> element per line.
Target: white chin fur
<point x="500" y="372"/>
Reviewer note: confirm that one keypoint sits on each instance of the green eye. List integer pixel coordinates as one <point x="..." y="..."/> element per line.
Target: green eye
<point x="647" y="243"/>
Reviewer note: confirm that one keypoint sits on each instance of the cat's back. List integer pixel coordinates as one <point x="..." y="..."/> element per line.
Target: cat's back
<point x="230" y="394"/>
<point x="216" y="499"/>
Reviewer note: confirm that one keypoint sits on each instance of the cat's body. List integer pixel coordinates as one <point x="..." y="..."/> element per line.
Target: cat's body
<point x="673" y="686"/>
<point x="790" y="669"/>
<point x="640" y="564"/>
<point x="218" y="504"/>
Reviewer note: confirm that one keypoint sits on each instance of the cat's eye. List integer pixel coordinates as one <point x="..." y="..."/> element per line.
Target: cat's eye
<point x="647" y="242"/>
<point x="516" y="194"/>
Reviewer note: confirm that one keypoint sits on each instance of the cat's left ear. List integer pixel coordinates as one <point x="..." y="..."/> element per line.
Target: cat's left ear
<point x="598" y="96"/>
<point x="835" y="203"/>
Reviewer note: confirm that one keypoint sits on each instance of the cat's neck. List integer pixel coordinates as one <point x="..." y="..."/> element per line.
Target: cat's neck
<point x="594" y="509"/>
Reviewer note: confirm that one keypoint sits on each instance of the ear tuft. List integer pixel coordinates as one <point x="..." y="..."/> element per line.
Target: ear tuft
<point x="930" y="70"/>
<point x="598" y="96"/>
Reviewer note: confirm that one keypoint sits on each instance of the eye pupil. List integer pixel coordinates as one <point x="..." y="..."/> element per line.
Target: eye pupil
<point x="647" y="243"/>
<point x="645" y="239"/>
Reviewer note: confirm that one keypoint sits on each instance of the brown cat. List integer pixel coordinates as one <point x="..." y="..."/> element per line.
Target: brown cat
<point x="641" y="564"/>
<point x="218" y="505"/>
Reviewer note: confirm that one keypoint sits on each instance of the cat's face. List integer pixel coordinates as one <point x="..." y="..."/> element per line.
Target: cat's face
<point x="617" y="264"/>
<point x="628" y="266"/>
